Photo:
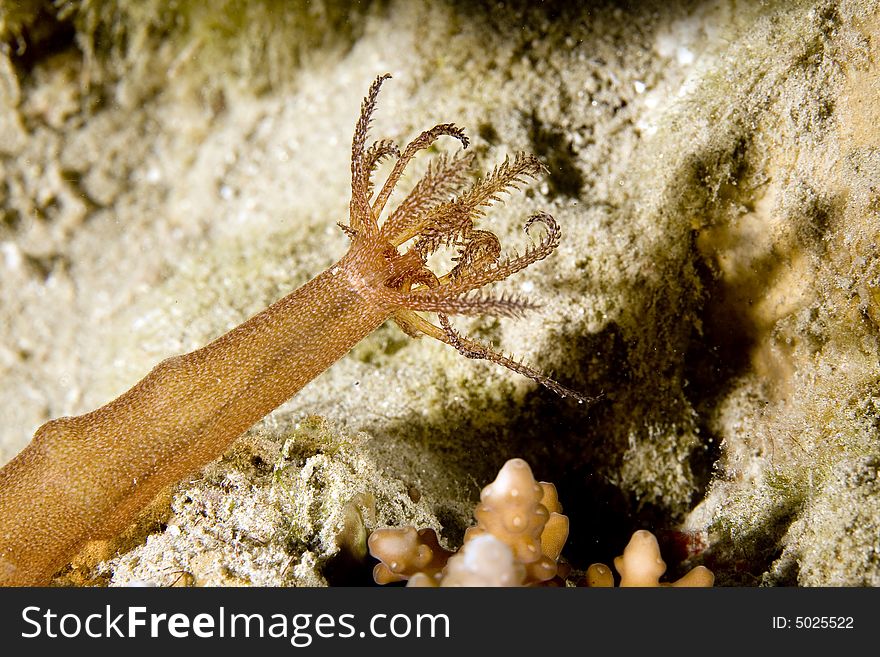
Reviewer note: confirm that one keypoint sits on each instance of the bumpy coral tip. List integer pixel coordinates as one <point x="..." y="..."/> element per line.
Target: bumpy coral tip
<point x="599" y="575"/>
<point x="697" y="577"/>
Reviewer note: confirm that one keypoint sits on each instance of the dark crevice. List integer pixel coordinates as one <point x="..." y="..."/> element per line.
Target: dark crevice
<point x="553" y="146"/>
<point x="345" y="569"/>
<point x="43" y="36"/>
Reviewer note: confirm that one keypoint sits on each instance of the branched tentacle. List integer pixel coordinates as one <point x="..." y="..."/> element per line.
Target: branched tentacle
<point x="350" y="232"/>
<point x="453" y="221"/>
<point x="509" y="174"/>
<point x="375" y="154"/>
<point x="445" y="225"/>
<point x="361" y="214"/>
<point x="478" y="278"/>
<point x="414" y="274"/>
<point x="478" y="351"/>
<point x="421" y="142"/>
<point x="470" y="304"/>
<point x="481" y="250"/>
<point x="423" y="276"/>
<point x="409" y="322"/>
<point x="443" y="177"/>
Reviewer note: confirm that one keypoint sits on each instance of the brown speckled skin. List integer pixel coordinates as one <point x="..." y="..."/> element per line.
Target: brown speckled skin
<point x="87" y="477"/>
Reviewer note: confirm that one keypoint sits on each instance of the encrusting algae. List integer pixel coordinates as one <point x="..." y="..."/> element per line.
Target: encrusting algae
<point x="87" y="477"/>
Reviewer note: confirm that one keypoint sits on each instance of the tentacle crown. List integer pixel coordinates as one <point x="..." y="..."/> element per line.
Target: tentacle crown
<point x="441" y="212"/>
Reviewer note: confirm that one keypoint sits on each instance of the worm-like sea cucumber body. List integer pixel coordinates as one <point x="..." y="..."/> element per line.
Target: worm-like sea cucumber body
<point x="87" y="477"/>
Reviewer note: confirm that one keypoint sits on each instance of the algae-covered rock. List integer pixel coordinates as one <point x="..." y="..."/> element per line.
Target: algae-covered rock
<point x="714" y="168"/>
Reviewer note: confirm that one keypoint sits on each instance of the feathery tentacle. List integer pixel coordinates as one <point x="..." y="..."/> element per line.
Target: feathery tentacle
<point x="361" y="215"/>
<point x="443" y="177"/>
<point x="432" y="219"/>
